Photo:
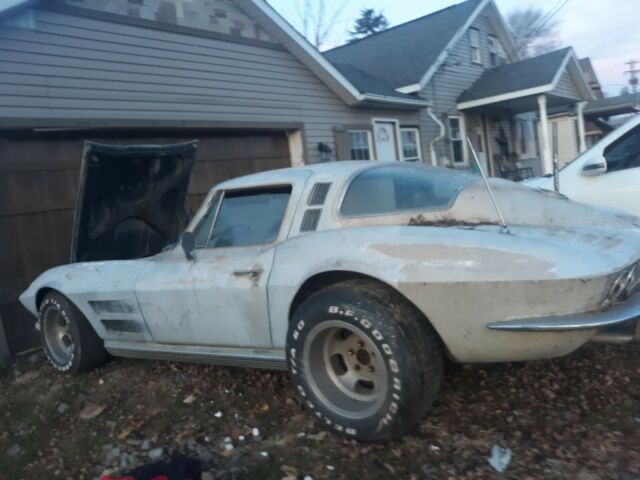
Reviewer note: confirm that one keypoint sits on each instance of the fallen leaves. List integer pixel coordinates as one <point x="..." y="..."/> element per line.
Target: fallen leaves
<point x="91" y="410"/>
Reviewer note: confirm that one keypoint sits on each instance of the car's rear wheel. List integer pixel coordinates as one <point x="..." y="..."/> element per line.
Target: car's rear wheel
<point x="364" y="360"/>
<point x="70" y="343"/>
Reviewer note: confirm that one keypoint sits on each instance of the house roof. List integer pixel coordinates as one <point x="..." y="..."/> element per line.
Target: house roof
<point x="613" y="105"/>
<point x="513" y="77"/>
<point x="532" y="76"/>
<point x="401" y="55"/>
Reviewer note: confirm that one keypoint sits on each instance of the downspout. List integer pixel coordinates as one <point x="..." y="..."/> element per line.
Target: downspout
<point x="432" y="144"/>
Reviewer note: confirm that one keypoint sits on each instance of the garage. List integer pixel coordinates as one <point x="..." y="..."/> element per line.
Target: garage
<point x="39" y="175"/>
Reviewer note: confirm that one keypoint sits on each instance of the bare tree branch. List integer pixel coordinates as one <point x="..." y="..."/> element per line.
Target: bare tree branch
<point x="534" y="31"/>
<point x="317" y="20"/>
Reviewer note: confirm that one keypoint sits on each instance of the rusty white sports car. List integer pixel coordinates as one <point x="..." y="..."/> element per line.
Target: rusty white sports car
<point x="359" y="277"/>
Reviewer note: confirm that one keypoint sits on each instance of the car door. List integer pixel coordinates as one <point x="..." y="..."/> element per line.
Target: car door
<point x="617" y="185"/>
<point x="231" y="270"/>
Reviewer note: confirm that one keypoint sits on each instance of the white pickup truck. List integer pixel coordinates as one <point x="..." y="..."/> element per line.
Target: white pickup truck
<point x="608" y="174"/>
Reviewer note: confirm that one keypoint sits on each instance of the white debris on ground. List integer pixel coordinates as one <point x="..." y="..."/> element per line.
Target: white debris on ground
<point x="500" y="458"/>
<point x="218" y="414"/>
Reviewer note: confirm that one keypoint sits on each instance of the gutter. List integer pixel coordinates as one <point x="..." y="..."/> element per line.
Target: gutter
<point x="432" y="143"/>
<point x="372" y="97"/>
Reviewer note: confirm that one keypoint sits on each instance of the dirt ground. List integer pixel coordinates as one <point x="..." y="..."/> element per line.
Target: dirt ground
<point x="576" y="417"/>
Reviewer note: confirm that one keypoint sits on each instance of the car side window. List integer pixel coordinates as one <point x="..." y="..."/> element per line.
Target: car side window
<point x="249" y="217"/>
<point x="203" y="229"/>
<point x="624" y="153"/>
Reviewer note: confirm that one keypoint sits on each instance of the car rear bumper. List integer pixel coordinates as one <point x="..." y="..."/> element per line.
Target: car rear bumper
<point x="626" y="311"/>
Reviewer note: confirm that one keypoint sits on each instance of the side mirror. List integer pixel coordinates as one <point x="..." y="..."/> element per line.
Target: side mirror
<point x="188" y="244"/>
<point x="594" y="167"/>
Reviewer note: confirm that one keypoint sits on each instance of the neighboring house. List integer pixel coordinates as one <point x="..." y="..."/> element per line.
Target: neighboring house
<point x="567" y="140"/>
<point x="462" y="60"/>
<point x="234" y="75"/>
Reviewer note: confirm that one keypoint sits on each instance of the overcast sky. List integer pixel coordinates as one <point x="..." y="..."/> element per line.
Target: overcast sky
<point x="608" y="31"/>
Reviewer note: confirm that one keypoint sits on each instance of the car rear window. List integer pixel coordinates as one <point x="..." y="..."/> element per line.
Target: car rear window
<point x="389" y="189"/>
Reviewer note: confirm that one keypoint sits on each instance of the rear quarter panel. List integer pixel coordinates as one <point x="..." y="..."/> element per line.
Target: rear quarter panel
<point x="464" y="278"/>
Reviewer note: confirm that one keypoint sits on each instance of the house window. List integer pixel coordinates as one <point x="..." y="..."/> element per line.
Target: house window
<point x="474" y="40"/>
<point x="493" y="50"/>
<point x="410" y="144"/>
<point x="527" y="137"/>
<point x="360" y="144"/>
<point x="455" y="137"/>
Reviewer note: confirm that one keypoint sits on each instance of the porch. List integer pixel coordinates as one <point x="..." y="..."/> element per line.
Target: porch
<point x="505" y="113"/>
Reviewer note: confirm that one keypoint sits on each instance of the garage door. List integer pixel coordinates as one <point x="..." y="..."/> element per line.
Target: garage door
<point x="38" y="182"/>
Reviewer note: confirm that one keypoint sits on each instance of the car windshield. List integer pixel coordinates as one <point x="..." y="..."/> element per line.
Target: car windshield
<point x="398" y="188"/>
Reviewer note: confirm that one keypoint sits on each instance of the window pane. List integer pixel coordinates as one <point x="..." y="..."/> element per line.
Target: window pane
<point x="359" y="145"/>
<point x="203" y="229"/>
<point x="250" y="217"/>
<point x="454" y="128"/>
<point x="409" y="144"/>
<point x="456" y="148"/>
<point x="625" y="152"/>
<point x="399" y="188"/>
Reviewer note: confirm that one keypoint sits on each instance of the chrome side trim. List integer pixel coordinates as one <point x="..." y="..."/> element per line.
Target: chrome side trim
<point x="622" y="312"/>
<point x="274" y="359"/>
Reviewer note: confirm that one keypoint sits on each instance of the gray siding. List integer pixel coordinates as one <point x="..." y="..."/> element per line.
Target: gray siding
<point x="566" y="87"/>
<point x="456" y="75"/>
<point x="58" y="66"/>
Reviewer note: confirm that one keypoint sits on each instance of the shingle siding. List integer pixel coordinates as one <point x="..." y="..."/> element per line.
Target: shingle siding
<point x="73" y="67"/>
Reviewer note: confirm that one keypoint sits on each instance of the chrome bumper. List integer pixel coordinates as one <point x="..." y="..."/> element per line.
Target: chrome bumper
<point x="623" y="312"/>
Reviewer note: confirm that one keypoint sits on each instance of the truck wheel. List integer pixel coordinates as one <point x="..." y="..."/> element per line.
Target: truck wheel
<point x="364" y="360"/>
<point x="69" y="341"/>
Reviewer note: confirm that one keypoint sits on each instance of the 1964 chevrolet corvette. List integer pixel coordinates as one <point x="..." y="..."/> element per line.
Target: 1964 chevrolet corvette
<point x="359" y="277"/>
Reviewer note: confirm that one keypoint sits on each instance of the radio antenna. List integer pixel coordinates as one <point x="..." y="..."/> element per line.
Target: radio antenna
<point x="505" y="228"/>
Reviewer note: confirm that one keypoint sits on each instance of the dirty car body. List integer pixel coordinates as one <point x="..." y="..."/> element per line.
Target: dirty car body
<point x="562" y="275"/>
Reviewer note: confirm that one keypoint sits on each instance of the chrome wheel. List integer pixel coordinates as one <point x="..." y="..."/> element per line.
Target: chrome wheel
<point x="345" y="369"/>
<point x="57" y="336"/>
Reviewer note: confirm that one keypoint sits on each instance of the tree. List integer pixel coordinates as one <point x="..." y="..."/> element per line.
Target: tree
<point x="317" y="19"/>
<point x="369" y="22"/>
<point x="534" y="31"/>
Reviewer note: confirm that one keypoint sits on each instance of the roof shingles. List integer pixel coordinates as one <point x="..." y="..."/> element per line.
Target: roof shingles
<point x="401" y="55"/>
<point x="513" y="77"/>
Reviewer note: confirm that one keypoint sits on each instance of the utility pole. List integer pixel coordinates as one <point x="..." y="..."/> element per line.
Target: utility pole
<point x="633" y="75"/>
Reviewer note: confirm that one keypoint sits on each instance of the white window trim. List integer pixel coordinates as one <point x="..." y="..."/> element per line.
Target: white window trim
<point x="475" y="49"/>
<point x="492" y="41"/>
<point x="463" y="135"/>
<point x="418" y="144"/>
<point x="369" y="142"/>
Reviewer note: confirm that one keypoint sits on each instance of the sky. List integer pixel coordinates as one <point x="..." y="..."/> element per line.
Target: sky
<point x="607" y="31"/>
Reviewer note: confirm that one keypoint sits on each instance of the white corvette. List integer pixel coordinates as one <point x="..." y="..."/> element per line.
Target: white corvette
<point x="359" y="278"/>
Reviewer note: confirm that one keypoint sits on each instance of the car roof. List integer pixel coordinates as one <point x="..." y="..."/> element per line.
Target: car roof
<point x="332" y="171"/>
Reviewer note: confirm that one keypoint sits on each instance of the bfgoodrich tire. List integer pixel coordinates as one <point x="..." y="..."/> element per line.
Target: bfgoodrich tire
<point x="364" y="360"/>
<point x="70" y="343"/>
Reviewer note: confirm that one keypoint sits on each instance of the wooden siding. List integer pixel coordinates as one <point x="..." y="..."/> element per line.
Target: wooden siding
<point x="456" y="75"/>
<point x="38" y="186"/>
<point x="65" y="67"/>
<point x="567" y="88"/>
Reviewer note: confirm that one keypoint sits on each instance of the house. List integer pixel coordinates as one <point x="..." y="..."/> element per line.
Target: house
<point x="564" y="123"/>
<point x="232" y="74"/>
<point x="462" y="60"/>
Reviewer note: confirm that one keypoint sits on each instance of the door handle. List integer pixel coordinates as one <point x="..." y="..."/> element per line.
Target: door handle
<point x="252" y="272"/>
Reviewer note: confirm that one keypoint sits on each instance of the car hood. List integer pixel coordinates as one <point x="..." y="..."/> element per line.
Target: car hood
<point x="131" y="200"/>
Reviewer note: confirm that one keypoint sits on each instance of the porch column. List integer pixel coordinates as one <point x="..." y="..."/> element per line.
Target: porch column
<point x="547" y="160"/>
<point x="582" y="144"/>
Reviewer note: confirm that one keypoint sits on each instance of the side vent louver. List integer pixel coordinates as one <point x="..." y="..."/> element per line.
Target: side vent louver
<point x="310" y="220"/>
<point x="318" y="194"/>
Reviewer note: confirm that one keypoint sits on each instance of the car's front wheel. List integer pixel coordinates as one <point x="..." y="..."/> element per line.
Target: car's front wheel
<point x="364" y="360"/>
<point x="69" y="341"/>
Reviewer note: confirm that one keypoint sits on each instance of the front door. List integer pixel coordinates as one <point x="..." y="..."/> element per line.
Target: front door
<point x="384" y="134"/>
